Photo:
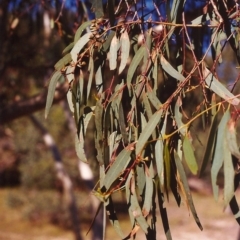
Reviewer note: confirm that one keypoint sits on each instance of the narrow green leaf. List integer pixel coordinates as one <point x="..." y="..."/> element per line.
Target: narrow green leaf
<point x="167" y="163"/>
<point x="141" y="179"/>
<point x="80" y="30"/>
<point x="113" y="52"/>
<point x="134" y="64"/>
<point x="97" y="7"/>
<point x="148" y="196"/>
<point x="189" y="155"/>
<point x="159" y="160"/>
<point x="118" y="166"/>
<point x="163" y="213"/>
<point x="68" y="48"/>
<point x="112" y="216"/>
<point x="51" y="90"/>
<point x="208" y="154"/>
<point x="167" y="67"/>
<point x="122" y="125"/>
<point x="154" y="99"/>
<point x="147" y="131"/>
<point x="90" y="78"/>
<point x="231" y="138"/>
<point x="125" y="49"/>
<point x="99" y="80"/>
<point x="183" y="178"/>
<point x="79" y="146"/>
<point x="155" y="75"/>
<point x="178" y="117"/>
<point x="229" y="174"/>
<point x="79" y="46"/>
<point x="63" y="62"/>
<point x="218" y="88"/>
<point x="199" y="19"/>
<point x="218" y="153"/>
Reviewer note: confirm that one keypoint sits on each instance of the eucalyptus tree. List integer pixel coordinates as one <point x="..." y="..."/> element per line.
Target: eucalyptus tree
<point x="144" y="72"/>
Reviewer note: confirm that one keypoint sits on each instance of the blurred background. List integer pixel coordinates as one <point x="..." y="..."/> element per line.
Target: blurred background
<point x="39" y="170"/>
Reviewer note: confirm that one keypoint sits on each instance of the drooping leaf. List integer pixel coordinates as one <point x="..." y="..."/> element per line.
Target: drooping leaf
<point x="79" y="146"/>
<point x="168" y="68"/>
<point x="231" y="139"/>
<point x="80" y="30"/>
<point x="113" y="52"/>
<point x="68" y="48"/>
<point x="79" y="46"/>
<point x="117" y="167"/>
<point x="187" y="193"/>
<point x="51" y="90"/>
<point x="147" y="131"/>
<point x="148" y="196"/>
<point x="167" y="164"/>
<point x="163" y="213"/>
<point x="90" y="78"/>
<point x="189" y="155"/>
<point x="125" y="48"/>
<point x="218" y="88"/>
<point x="112" y="216"/>
<point x="65" y="60"/>
<point x="134" y="64"/>
<point x="208" y="154"/>
<point x="218" y="153"/>
<point x="229" y="174"/>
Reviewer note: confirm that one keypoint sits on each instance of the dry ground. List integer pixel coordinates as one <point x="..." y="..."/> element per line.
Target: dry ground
<point x="217" y="224"/>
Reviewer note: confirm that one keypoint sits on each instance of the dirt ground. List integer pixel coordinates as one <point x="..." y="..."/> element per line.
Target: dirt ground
<point x="217" y="223"/>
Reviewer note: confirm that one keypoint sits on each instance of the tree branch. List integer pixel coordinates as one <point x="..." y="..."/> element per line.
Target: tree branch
<point x="28" y="106"/>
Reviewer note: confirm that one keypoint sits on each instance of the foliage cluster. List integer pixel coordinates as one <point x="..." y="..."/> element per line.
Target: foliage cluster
<point x="132" y="75"/>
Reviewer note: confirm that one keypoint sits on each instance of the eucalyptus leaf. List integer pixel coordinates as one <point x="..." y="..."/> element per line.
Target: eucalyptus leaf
<point x="189" y="155"/>
<point x="79" y="45"/>
<point x="117" y="168"/>
<point x="125" y="49"/>
<point x="80" y="30"/>
<point x="51" y="91"/>
<point x="219" y="153"/>
<point x="147" y="131"/>
<point x="113" y="52"/>
<point x="218" y="88"/>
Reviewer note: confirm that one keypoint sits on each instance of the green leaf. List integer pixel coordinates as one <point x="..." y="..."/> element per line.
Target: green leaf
<point x="148" y="196"/>
<point x="187" y="193"/>
<point x="210" y="144"/>
<point x="218" y="88"/>
<point x="189" y="155"/>
<point x="122" y="125"/>
<point x="231" y="138"/>
<point x="51" y="90"/>
<point x="154" y="99"/>
<point x="147" y="131"/>
<point x="219" y="153"/>
<point x="63" y="62"/>
<point x="163" y="213"/>
<point x="112" y="216"/>
<point x="178" y="117"/>
<point x="90" y="78"/>
<point x="99" y="79"/>
<point x="117" y="168"/>
<point x="80" y="30"/>
<point x="229" y="174"/>
<point x="79" y="46"/>
<point x="125" y="49"/>
<point x="134" y="64"/>
<point x="68" y="48"/>
<point x="167" y="67"/>
<point x="79" y="147"/>
<point x="167" y="162"/>
<point x="113" y="52"/>
<point x="159" y="160"/>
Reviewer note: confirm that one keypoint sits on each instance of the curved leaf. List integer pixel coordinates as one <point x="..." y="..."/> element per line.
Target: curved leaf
<point x="113" y="52"/>
<point x="187" y="193"/>
<point x="79" y="46"/>
<point x="80" y="30"/>
<point x="219" y="153"/>
<point x="125" y="48"/>
<point x="218" y="88"/>
<point x="51" y="90"/>
<point x="189" y="155"/>
<point x="63" y="62"/>
<point x="134" y="64"/>
<point x="167" y="67"/>
<point x="117" y="168"/>
<point x="147" y="131"/>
